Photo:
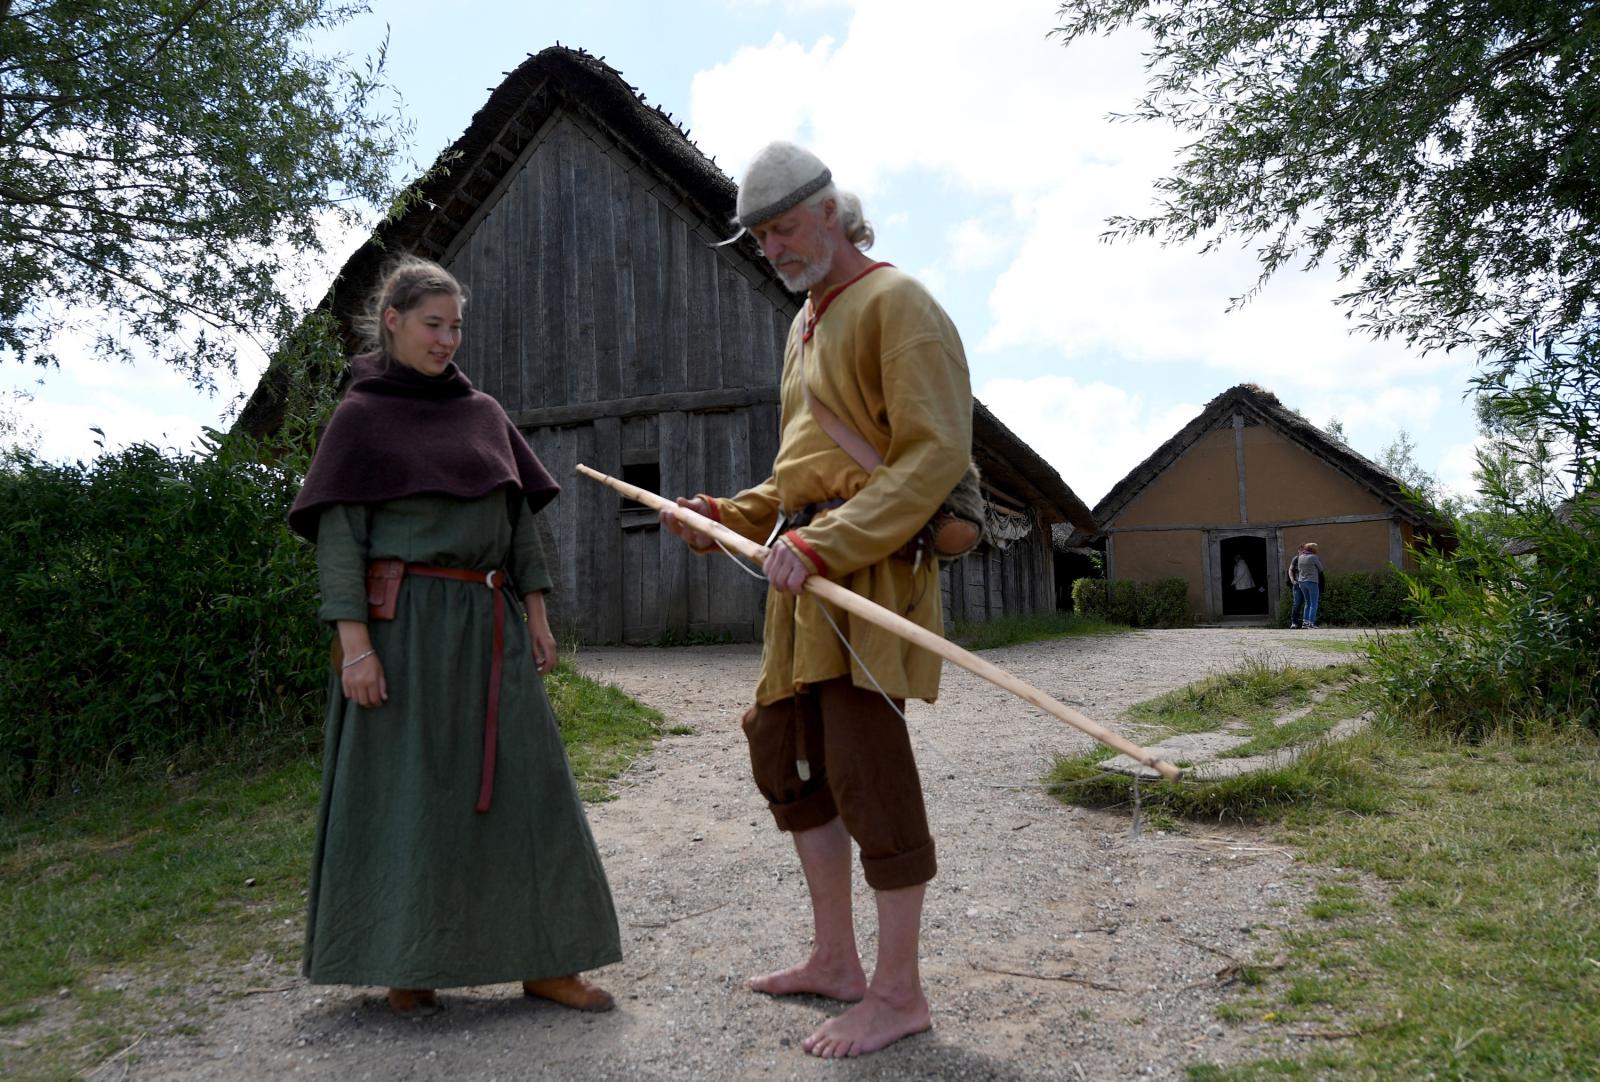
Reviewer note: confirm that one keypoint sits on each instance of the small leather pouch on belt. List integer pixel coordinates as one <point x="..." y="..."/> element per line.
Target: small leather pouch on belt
<point x="383" y="588"/>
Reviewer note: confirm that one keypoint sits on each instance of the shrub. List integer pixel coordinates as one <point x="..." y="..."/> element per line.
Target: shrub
<point x="1089" y="598"/>
<point x="1162" y="603"/>
<point x="153" y="605"/>
<point x="148" y="601"/>
<point x="1358" y="599"/>
<point x="1124" y="604"/>
<point x="1502" y="641"/>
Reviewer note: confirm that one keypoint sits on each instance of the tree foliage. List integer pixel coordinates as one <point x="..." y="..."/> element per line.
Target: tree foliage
<point x="165" y="164"/>
<point x="1442" y="155"/>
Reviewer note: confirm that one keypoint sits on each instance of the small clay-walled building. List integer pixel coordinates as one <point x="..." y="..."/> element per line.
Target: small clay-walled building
<point x="617" y="333"/>
<point x="1228" y="500"/>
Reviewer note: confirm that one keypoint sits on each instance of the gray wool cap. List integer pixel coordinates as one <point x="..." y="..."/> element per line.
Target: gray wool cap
<point x="780" y="177"/>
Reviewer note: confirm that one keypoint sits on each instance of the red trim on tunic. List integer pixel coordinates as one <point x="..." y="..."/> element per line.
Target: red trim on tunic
<point x="806" y="551"/>
<point x="812" y="315"/>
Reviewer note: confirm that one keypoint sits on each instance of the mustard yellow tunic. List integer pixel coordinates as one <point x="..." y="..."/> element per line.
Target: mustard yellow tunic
<point x="887" y="359"/>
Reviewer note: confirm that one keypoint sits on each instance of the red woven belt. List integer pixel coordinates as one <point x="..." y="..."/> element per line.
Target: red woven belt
<point x="494" y="580"/>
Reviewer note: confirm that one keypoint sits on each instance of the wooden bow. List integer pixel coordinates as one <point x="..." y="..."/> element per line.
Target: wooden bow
<point x="899" y="625"/>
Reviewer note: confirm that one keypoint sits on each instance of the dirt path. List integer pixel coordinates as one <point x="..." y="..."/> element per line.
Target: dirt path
<point x="1056" y="945"/>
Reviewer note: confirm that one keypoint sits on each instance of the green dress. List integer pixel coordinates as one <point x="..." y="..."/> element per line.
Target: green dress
<point x="410" y="886"/>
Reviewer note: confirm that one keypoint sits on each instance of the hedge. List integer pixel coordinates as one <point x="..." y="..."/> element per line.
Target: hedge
<point x="1357" y="599"/>
<point x="1162" y="603"/>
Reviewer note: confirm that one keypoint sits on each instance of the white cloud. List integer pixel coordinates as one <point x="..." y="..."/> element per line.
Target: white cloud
<point x="1456" y="466"/>
<point x="65" y="427"/>
<point x="1142" y="302"/>
<point x="990" y="100"/>
<point x="759" y="95"/>
<point x="973" y="246"/>
<point x="1092" y="433"/>
<point x="1382" y="413"/>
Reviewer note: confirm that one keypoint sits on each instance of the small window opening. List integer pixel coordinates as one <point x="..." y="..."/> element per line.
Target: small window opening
<point x="645" y="475"/>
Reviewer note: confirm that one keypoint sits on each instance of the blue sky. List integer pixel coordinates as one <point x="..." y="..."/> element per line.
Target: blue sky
<point x="984" y="158"/>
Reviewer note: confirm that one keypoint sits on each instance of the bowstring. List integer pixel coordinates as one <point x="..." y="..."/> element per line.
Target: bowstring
<point x="1048" y="787"/>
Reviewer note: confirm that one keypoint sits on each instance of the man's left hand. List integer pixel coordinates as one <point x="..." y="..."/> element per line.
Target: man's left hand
<point x="785" y="569"/>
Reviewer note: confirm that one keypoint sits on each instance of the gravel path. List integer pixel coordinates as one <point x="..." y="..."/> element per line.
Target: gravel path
<point x="1056" y="945"/>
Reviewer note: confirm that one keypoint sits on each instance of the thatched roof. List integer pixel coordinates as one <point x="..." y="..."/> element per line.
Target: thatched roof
<point x="1579" y="512"/>
<point x="1264" y="407"/>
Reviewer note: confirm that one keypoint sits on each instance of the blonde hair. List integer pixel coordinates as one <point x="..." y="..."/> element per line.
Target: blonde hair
<point x="406" y="282"/>
<point x="857" y="230"/>
<point x="1311" y="546"/>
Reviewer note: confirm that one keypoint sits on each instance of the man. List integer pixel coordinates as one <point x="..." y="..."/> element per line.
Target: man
<point x="1298" y="602"/>
<point x="828" y="751"/>
<point x="1307" y="573"/>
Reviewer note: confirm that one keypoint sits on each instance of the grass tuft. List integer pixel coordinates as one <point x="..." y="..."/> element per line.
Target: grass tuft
<point x="604" y="729"/>
<point x="1325" y="776"/>
<point x="1255" y="692"/>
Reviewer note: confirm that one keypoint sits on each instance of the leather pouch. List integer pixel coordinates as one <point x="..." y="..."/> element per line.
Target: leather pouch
<point x="383" y="588"/>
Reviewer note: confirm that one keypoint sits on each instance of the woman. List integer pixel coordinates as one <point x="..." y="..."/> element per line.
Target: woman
<point x="451" y="845"/>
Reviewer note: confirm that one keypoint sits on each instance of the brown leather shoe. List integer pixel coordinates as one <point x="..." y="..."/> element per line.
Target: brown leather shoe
<point x="573" y="991"/>
<point x="413" y="1002"/>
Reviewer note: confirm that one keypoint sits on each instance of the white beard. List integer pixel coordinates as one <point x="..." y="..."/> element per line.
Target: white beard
<point x="811" y="273"/>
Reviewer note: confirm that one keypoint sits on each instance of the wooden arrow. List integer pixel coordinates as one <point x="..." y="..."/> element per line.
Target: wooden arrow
<point x="899" y="625"/>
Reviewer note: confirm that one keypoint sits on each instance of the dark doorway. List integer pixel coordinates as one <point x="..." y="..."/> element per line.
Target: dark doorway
<point x="1072" y="565"/>
<point x="1243" y="566"/>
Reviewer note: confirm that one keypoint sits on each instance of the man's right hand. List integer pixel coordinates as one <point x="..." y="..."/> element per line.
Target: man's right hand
<point x="694" y="538"/>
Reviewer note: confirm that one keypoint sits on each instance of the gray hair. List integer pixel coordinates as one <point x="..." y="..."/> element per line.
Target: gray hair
<point x="406" y="282"/>
<point x="857" y="230"/>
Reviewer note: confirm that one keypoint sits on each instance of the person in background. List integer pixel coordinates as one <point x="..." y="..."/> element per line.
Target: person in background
<point x="1306" y="570"/>
<point x="1297" y="602"/>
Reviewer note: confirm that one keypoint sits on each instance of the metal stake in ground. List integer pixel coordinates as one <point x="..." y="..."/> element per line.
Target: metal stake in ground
<point x="899" y="625"/>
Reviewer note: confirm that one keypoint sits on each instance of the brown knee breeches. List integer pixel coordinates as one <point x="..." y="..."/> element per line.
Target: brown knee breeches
<point x="862" y="770"/>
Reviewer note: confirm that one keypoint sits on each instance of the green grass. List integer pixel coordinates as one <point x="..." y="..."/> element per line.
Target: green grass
<point x="603" y="728"/>
<point x="1323" y="777"/>
<point x="1480" y="956"/>
<point x="1011" y="630"/>
<point x="1458" y="938"/>
<point x="162" y="877"/>
<point x="1255" y="692"/>
<point x="1266" y="735"/>
<point x="1332" y="646"/>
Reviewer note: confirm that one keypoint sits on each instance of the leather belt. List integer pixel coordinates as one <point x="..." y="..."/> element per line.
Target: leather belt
<point x="494" y="580"/>
<point x="795" y="519"/>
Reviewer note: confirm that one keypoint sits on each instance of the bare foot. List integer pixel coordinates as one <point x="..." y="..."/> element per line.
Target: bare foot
<point x="841" y="981"/>
<point x="872" y="1024"/>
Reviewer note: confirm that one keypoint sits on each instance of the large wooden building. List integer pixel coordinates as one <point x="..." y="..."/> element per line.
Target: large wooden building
<point x="1231" y="497"/>
<point x="616" y="333"/>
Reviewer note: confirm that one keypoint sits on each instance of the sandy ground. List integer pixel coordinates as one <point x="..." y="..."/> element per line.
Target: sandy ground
<point x="1056" y="945"/>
